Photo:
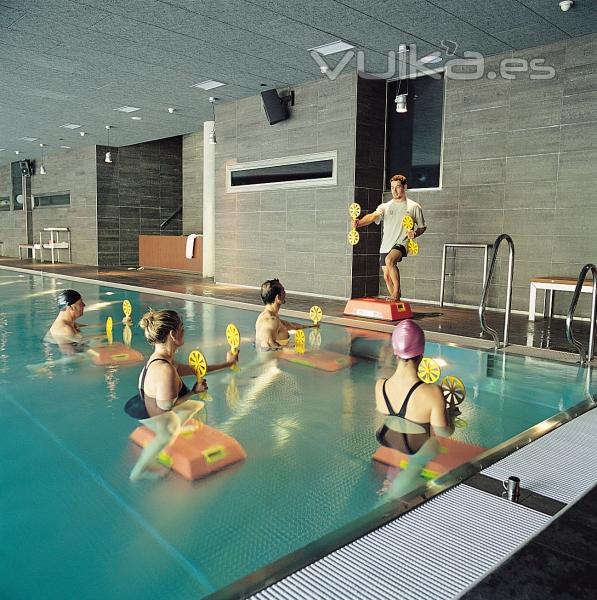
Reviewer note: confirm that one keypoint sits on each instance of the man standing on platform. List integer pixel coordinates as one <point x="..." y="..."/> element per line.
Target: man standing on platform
<point x="395" y="234"/>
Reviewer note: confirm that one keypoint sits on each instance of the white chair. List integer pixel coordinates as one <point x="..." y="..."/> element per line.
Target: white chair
<point x="55" y="243"/>
<point x="27" y="247"/>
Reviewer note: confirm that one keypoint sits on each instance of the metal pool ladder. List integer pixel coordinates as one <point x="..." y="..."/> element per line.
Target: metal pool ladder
<point x="585" y="357"/>
<point x="483" y="305"/>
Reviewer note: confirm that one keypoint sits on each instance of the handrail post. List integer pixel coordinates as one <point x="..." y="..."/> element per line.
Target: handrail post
<point x="588" y="356"/>
<point x="482" y="305"/>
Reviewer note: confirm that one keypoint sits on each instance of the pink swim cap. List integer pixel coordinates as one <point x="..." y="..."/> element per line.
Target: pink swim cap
<point x="408" y="339"/>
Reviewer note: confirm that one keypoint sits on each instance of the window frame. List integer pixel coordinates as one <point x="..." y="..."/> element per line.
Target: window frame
<point x="279" y="162"/>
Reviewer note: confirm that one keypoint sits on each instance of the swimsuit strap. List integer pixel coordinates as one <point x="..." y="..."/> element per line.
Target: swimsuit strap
<point x="145" y="373"/>
<point x="385" y="397"/>
<point x="404" y="406"/>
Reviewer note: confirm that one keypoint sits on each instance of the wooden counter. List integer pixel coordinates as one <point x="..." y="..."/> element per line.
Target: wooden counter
<point x="169" y="252"/>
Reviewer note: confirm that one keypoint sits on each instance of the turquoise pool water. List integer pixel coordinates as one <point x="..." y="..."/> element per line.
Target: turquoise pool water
<point x="74" y="526"/>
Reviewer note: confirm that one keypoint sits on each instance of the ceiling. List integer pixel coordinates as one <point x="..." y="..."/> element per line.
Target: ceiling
<point x="76" y="61"/>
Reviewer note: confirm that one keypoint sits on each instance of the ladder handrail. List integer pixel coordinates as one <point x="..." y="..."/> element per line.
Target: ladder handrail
<point x="584" y="356"/>
<point x="483" y="304"/>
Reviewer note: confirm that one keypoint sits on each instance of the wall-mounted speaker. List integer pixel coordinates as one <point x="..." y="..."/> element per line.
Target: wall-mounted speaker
<point x="26" y="168"/>
<point x="276" y="107"/>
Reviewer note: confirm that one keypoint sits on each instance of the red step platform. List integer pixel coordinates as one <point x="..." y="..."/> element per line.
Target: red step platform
<point x="378" y="308"/>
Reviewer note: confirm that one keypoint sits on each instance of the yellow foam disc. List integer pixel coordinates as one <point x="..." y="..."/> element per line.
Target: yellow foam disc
<point x="300" y="347"/>
<point x="429" y="371"/>
<point x="127" y="309"/>
<point x="109" y="326"/>
<point x="354" y="210"/>
<point x="353" y="237"/>
<point x="315" y="314"/>
<point x="198" y="363"/>
<point x="315" y="338"/>
<point x="407" y="222"/>
<point x="299" y="337"/>
<point x="453" y="389"/>
<point x="412" y="247"/>
<point x="233" y="337"/>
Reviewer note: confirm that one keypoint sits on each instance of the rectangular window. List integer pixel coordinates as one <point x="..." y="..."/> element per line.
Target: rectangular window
<point x="414" y="137"/>
<point x="295" y="171"/>
<point x="4" y="203"/>
<point x="53" y="199"/>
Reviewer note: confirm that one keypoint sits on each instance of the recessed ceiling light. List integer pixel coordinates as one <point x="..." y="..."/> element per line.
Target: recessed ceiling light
<point x="70" y="126"/>
<point x="28" y="139"/>
<point x="65" y="147"/>
<point x="210" y="84"/>
<point x="127" y="109"/>
<point x="434" y="57"/>
<point x="136" y="118"/>
<point x="332" y="48"/>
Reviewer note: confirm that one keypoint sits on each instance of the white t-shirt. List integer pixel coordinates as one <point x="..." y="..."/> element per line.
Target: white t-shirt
<point x="392" y="213"/>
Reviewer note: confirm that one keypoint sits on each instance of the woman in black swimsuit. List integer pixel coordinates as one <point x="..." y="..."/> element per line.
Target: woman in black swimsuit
<point x="420" y="407"/>
<point x="163" y="402"/>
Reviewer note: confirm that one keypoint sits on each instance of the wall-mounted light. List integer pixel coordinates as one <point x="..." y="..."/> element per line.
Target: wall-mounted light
<point x="400" y="101"/>
<point x="403" y="73"/>
<point x="108" y="157"/>
<point x="212" y="135"/>
<point x="42" y="168"/>
<point x="171" y="110"/>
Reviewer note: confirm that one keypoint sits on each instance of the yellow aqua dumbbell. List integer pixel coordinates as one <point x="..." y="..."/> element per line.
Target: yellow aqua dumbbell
<point x="198" y="363"/>
<point x="233" y="339"/>
<point x="354" y="210"/>
<point x="411" y="246"/>
<point x="299" y="341"/>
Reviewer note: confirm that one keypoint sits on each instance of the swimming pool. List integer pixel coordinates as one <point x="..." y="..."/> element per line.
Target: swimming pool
<point x="74" y="526"/>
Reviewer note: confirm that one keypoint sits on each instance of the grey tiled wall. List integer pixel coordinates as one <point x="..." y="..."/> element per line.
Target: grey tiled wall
<point x="140" y="189"/>
<point x="519" y="157"/>
<point x="192" y="183"/>
<point x="72" y="172"/>
<point x="298" y="235"/>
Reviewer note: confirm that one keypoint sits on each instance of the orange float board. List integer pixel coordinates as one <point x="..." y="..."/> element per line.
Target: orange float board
<point x="378" y="308"/>
<point x="324" y="360"/>
<point x="115" y="354"/>
<point x="452" y="455"/>
<point x="198" y="454"/>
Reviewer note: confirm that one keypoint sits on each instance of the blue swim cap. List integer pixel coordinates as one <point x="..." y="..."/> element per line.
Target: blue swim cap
<point x="67" y="297"/>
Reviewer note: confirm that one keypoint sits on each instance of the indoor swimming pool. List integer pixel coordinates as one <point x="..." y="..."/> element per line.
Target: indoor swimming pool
<point x="74" y="526"/>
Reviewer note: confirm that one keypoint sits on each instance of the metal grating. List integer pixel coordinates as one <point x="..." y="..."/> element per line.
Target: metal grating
<point x="560" y="465"/>
<point x="435" y="551"/>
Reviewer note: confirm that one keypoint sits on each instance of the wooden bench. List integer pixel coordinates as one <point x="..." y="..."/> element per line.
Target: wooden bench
<point x="552" y="285"/>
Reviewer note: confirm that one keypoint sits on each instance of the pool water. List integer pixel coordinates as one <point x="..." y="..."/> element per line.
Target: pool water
<point x="74" y="526"/>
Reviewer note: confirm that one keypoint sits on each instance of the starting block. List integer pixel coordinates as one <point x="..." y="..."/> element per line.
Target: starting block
<point x="115" y="354"/>
<point x="324" y="360"/>
<point x="453" y="454"/>
<point x="197" y="454"/>
<point x="378" y="308"/>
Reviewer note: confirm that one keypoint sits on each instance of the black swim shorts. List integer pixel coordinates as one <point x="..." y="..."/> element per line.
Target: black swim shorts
<point x="382" y="256"/>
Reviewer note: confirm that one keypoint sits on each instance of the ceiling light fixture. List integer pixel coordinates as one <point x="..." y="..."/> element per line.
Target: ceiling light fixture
<point x="127" y="109"/>
<point x="17" y="152"/>
<point x="212" y="135"/>
<point x="42" y="169"/>
<point x="432" y="58"/>
<point x="566" y="5"/>
<point x="82" y="133"/>
<point x="332" y="48"/>
<point x="70" y="126"/>
<point x="403" y="73"/>
<point x="171" y="110"/>
<point x="209" y="84"/>
<point x="136" y="118"/>
<point x="108" y="157"/>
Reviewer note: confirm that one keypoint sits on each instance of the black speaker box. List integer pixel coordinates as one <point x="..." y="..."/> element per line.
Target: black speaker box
<point x="26" y="169"/>
<point x="276" y="108"/>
